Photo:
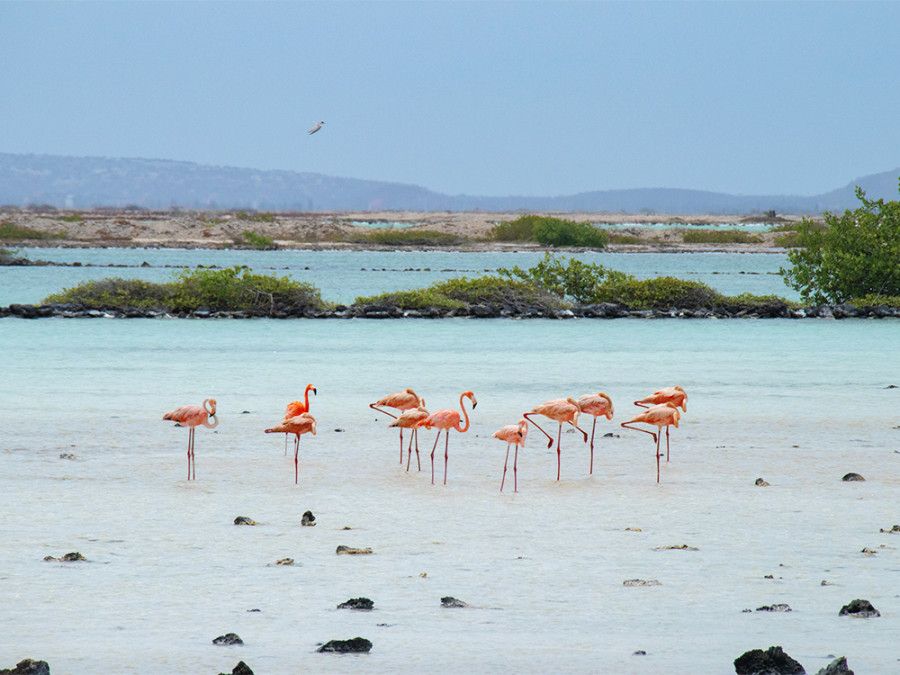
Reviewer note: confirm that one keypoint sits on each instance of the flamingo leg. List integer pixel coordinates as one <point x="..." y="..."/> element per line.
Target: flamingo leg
<point x="409" y="450"/>
<point x="549" y="437"/>
<point x="446" y="452"/>
<point x="285" y="445"/>
<point x="297" y="460"/>
<point x="433" y="448"/>
<point x="401" y="445"/>
<point x="667" y="443"/>
<point x="504" y="466"/>
<point x="516" y="470"/>
<point x="558" y="453"/>
<point x="418" y="461"/>
<point x="190" y="453"/>
<point x="593" y="428"/>
<point x="657" y="457"/>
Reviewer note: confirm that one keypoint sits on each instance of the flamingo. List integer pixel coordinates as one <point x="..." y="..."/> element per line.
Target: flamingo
<point x="512" y="433"/>
<point x="445" y="420"/>
<point x="301" y="424"/>
<point x="675" y="395"/>
<point x="316" y="127"/>
<point x="561" y="410"/>
<point x="598" y="404"/>
<point x="662" y="415"/>
<point x="410" y="419"/>
<point x="294" y="408"/>
<point x="192" y="416"/>
<point x="401" y="400"/>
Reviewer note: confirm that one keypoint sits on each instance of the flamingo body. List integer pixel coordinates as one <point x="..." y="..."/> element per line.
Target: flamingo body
<point x="304" y="423"/>
<point x="512" y="434"/>
<point x="410" y="419"/>
<point x="675" y="395"/>
<point x="597" y="405"/>
<point x="445" y="420"/>
<point x="662" y="415"/>
<point x="560" y="410"/>
<point x="193" y="416"/>
<point x="295" y="408"/>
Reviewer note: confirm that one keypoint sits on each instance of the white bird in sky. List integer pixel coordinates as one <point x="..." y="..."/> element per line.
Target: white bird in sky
<point x="318" y="125"/>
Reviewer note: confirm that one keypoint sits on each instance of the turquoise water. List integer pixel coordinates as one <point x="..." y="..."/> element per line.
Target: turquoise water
<point x="799" y="403"/>
<point x="343" y="276"/>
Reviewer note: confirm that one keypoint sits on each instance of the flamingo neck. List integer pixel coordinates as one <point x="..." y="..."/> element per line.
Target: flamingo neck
<point x="214" y="424"/>
<point x="465" y="414"/>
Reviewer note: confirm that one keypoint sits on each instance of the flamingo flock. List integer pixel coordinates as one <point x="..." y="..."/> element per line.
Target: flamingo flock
<point x="660" y="411"/>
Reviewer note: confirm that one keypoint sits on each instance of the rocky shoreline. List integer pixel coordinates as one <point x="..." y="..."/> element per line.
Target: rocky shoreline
<point x="605" y="310"/>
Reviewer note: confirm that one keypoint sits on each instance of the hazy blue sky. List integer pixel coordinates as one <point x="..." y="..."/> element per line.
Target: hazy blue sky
<point x="505" y="98"/>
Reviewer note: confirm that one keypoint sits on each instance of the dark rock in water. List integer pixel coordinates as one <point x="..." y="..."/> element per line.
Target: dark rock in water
<point x="244" y="520"/>
<point x="353" y="645"/>
<point x="240" y="669"/>
<point x="28" y="667"/>
<point x="642" y="582"/>
<point x="357" y="603"/>
<point x="895" y="528"/>
<point x="347" y="550"/>
<point x="450" y="601"/>
<point x="74" y="556"/>
<point x="308" y="519"/>
<point x="849" y="477"/>
<point x="780" y="607"/>
<point x="773" y="661"/>
<point x="228" y="639"/>
<point x="67" y="455"/>
<point x="837" y="667"/>
<point x="859" y="608"/>
<point x="639" y="652"/>
<point x="762" y="482"/>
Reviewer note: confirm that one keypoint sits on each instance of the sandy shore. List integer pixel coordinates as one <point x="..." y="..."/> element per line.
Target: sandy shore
<point x="201" y="229"/>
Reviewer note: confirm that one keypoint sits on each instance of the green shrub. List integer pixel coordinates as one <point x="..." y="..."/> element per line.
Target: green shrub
<point x="254" y="240"/>
<point x="462" y="292"/>
<point x="573" y="279"/>
<point x="550" y="232"/>
<point x="255" y="217"/>
<point x="873" y="300"/>
<point x="857" y="255"/>
<point x="407" y="238"/>
<point x="72" y="218"/>
<point x="660" y="293"/>
<point x="11" y="231"/>
<point x="623" y="239"/>
<point x="719" y="237"/>
<point x="234" y="288"/>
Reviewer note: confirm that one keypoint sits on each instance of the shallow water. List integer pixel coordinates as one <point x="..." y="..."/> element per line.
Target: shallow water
<point x="799" y="403"/>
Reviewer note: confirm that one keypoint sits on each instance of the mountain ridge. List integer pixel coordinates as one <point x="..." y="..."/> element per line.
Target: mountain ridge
<point x="89" y="182"/>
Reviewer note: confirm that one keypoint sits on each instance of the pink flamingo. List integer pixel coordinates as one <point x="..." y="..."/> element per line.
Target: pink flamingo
<point x="662" y="415"/>
<point x="410" y="419"/>
<point x="294" y="408"/>
<point x="301" y="424"/>
<point x="561" y="410"/>
<point x="512" y="433"/>
<point x="400" y="400"/>
<point x="597" y="405"/>
<point x="445" y="420"/>
<point x="192" y="416"/>
<point x="675" y="395"/>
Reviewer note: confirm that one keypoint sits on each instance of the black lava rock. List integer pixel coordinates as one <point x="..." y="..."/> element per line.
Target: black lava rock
<point x="240" y="669"/>
<point x="244" y="520"/>
<point x="357" y="603"/>
<point x="355" y="645"/>
<point x="308" y="519"/>
<point x="773" y="661"/>
<point x="228" y="639"/>
<point x="449" y="601"/>
<point x="28" y="667"/>
<point x="849" y="477"/>
<point x="859" y="608"/>
<point x="837" y="667"/>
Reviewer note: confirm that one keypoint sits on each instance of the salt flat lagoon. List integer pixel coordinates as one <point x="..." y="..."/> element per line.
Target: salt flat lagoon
<point x="797" y="402"/>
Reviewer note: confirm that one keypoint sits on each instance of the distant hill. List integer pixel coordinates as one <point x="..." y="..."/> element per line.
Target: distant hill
<point x="85" y="182"/>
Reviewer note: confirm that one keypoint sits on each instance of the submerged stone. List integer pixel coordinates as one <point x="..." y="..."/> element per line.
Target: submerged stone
<point x="244" y="520"/>
<point x="858" y="608"/>
<point x="348" y="550"/>
<point x="357" y="603"/>
<point x="850" y="477"/>
<point x="308" y="519"/>
<point x="773" y="661"/>
<point x="837" y="667"/>
<point x="27" y="667"/>
<point x="449" y="601"/>
<point x="228" y="639"/>
<point x="355" y="645"/>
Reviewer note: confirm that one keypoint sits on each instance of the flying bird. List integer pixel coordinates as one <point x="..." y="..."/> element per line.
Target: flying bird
<point x="316" y="127"/>
<point x="445" y="420"/>
<point x="303" y="423"/>
<point x="192" y="416"/>
<point x="512" y="433"/>
<point x="560" y="410"/>
<point x="662" y="415"/>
